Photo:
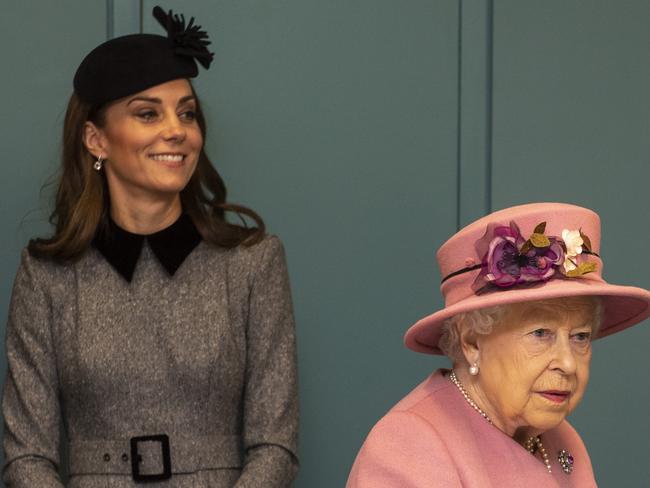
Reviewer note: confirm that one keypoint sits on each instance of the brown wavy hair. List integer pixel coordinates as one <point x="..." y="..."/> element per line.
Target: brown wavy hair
<point x="82" y="199"/>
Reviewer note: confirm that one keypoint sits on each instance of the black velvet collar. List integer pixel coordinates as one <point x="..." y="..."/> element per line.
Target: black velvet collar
<point x="171" y="245"/>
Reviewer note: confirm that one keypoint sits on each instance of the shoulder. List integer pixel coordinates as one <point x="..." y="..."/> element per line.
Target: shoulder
<point x="401" y="430"/>
<point x="403" y="449"/>
<point x="428" y="410"/>
<point x="436" y="388"/>
<point x="40" y="285"/>
<point x="409" y="445"/>
<point x="242" y="266"/>
<point x="269" y="246"/>
<point x="42" y="273"/>
<point x="565" y="434"/>
<point x="251" y="259"/>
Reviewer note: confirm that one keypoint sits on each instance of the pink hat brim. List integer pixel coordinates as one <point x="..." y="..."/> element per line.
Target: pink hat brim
<point x="623" y="306"/>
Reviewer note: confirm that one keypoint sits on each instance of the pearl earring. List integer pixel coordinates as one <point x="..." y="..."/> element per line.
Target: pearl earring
<point x="473" y="369"/>
<point x="98" y="163"/>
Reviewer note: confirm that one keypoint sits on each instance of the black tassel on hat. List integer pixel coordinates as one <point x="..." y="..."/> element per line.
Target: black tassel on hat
<point x="129" y="64"/>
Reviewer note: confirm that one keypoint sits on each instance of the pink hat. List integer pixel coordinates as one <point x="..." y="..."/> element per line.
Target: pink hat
<point x="530" y="252"/>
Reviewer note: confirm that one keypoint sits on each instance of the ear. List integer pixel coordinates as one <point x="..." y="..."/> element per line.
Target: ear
<point x="94" y="140"/>
<point x="469" y="343"/>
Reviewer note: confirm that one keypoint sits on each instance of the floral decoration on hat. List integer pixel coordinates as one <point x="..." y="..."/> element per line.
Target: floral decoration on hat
<point x="189" y="39"/>
<point x="508" y="259"/>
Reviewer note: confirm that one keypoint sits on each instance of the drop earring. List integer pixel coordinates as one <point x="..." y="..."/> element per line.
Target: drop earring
<point x="473" y="369"/>
<point x="98" y="163"/>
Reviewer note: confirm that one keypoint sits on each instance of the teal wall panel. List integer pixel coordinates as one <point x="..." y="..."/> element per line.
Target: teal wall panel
<point x="475" y="110"/>
<point x="337" y="122"/>
<point x="40" y="46"/>
<point x="39" y="60"/>
<point x="571" y="113"/>
<point x="124" y="17"/>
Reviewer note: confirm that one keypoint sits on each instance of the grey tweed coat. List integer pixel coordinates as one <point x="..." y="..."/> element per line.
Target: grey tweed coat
<point x="206" y="357"/>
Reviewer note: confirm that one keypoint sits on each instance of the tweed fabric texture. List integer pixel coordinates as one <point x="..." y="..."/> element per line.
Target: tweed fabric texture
<point x="209" y="352"/>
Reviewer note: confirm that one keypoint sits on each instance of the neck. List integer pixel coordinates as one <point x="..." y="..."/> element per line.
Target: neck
<point x="472" y="386"/>
<point x="146" y="217"/>
<point x="522" y="434"/>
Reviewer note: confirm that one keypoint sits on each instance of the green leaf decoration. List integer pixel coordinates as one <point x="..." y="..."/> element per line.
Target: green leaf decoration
<point x="526" y="247"/>
<point x="582" y="269"/>
<point x="587" y="268"/>
<point x="586" y="241"/>
<point x="540" y="228"/>
<point x="539" y="240"/>
<point x="574" y="273"/>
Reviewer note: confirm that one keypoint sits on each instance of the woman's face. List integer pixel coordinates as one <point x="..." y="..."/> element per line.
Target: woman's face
<point x="151" y="141"/>
<point x="534" y="366"/>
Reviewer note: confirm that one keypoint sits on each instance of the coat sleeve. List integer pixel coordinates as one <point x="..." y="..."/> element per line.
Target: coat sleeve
<point x="30" y="404"/>
<point x="403" y="451"/>
<point x="270" y="414"/>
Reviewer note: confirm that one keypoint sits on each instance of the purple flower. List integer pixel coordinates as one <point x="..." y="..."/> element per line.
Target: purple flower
<point x="504" y="263"/>
<point x="540" y="263"/>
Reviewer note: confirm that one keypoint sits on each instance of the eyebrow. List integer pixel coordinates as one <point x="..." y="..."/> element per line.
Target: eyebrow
<point x="158" y="100"/>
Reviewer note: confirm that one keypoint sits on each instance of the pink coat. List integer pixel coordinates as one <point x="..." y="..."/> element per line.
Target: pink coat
<point x="434" y="439"/>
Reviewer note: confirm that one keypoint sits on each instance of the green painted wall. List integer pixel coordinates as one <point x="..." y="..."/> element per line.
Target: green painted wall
<point x="337" y="122"/>
<point x="571" y="121"/>
<point x="364" y="132"/>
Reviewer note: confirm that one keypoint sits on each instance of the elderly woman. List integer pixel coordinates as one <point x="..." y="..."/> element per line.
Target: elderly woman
<point x="524" y="298"/>
<point x="155" y="332"/>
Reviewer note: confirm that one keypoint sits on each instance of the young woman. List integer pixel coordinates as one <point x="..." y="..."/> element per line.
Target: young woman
<point x="159" y="335"/>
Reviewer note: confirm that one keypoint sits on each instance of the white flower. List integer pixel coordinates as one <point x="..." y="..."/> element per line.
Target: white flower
<point x="573" y="242"/>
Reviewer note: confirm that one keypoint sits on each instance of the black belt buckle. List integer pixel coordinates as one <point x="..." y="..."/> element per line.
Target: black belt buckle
<point x="166" y="459"/>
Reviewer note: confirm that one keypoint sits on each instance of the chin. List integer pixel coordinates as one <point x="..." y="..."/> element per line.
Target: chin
<point x="171" y="185"/>
<point x="547" y="422"/>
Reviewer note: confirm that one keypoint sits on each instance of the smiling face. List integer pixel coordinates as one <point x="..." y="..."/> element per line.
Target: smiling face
<point x="151" y="142"/>
<point x="534" y="365"/>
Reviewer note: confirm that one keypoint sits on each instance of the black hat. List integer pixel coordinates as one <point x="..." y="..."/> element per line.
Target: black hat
<point x="129" y="64"/>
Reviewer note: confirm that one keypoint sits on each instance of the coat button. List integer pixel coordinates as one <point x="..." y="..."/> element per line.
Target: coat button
<point x="125" y="457"/>
<point x="107" y="457"/>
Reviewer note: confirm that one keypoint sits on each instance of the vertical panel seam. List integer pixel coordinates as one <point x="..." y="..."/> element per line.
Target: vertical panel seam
<point x="459" y="105"/>
<point x="489" y="101"/>
<point x="141" y="20"/>
<point x="110" y="23"/>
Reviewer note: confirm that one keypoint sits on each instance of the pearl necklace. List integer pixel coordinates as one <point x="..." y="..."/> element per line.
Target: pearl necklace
<point x="459" y="385"/>
<point x="531" y="445"/>
<point x="534" y="443"/>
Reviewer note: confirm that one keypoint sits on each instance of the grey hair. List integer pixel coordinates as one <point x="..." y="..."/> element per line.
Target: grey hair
<point x="483" y="320"/>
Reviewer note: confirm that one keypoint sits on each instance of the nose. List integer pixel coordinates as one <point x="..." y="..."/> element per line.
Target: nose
<point x="173" y="129"/>
<point x="564" y="356"/>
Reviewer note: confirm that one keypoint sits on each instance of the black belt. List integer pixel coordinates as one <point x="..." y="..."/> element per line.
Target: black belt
<point x="154" y="457"/>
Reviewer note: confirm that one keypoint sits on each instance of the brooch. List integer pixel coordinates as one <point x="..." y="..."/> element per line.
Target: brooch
<point x="566" y="461"/>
